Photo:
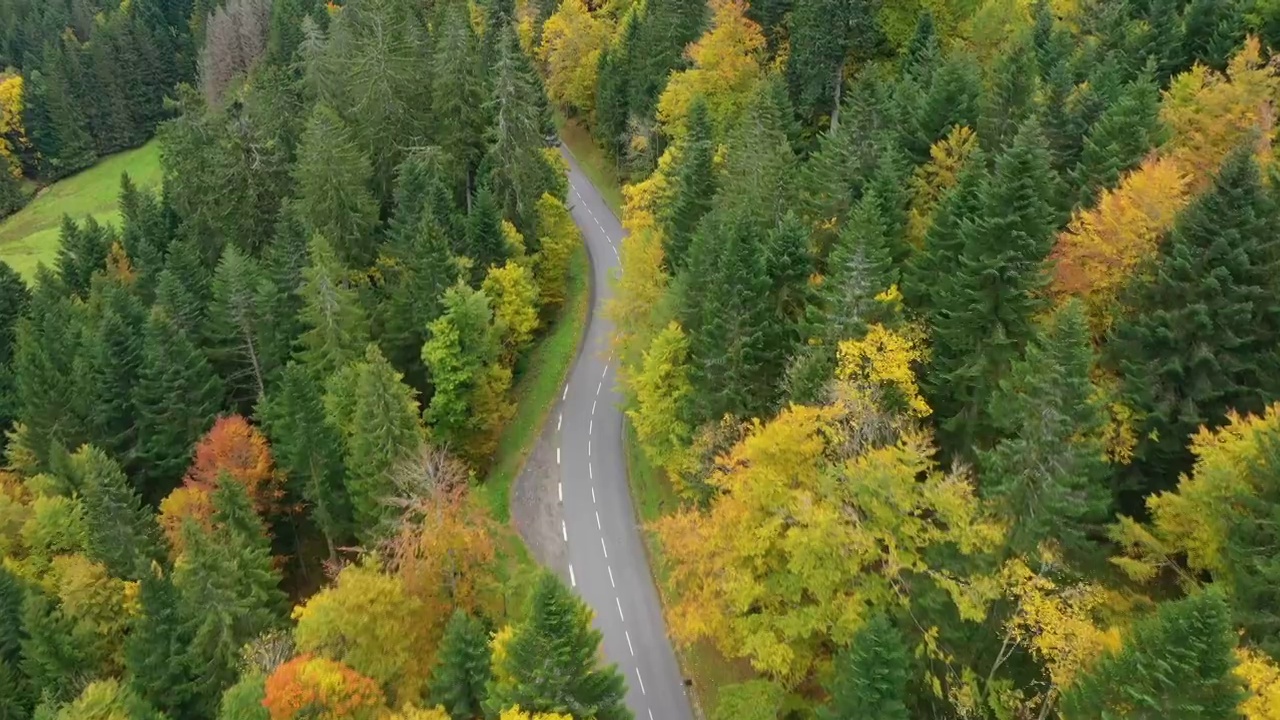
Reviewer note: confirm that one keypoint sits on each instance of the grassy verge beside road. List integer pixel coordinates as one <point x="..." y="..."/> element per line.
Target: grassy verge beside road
<point x="598" y="168"/>
<point x="31" y="235"/>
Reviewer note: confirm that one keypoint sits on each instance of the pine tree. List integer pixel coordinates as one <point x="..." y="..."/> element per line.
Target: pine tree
<point x="176" y="398"/>
<point x="1164" y="44"/>
<point x="953" y="99"/>
<point x="333" y="177"/>
<point x="459" y="682"/>
<point x="986" y="308"/>
<point x="336" y="330"/>
<point x="823" y="34"/>
<point x="47" y="341"/>
<point x="52" y="658"/>
<point x="1212" y="29"/>
<point x="157" y="644"/>
<point x="14" y="298"/>
<point x="423" y="270"/>
<point x="120" y="533"/>
<point x="612" y="110"/>
<point x="238" y="330"/>
<point x="1127" y="131"/>
<point x="109" y="363"/>
<point x="82" y="252"/>
<point x="379" y="419"/>
<point x="1202" y="337"/>
<point x="1049" y="474"/>
<point x="16" y="696"/>
<point x="12" y="197"/>
<point x="1011" y="99"/>
<point x="229" y="592"/>
<point x="308" y="450"/>
<point x="285" y="35"/>
<point x="145" y="234"/>
<point x="1175" y="665"/>
<point x="458" y="92"/>
<point x="183" y="289"/>
<point x="694" y="185"/>
<point x="550" y="661"/>
<point x="870" y="678"/>
<point x="486" y="244"/>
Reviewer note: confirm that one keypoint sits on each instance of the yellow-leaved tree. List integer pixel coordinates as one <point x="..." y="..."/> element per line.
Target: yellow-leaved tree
<point x="557" y="241"/>
<point x="516" y="713"/>
<point x="932" y="180"/>
<point x="726" y="67"/>
<point x="515" y="305"/>
<point x="572" y="39"/>
<point x="1103" y="247"/>
<point x="662" y="388"/>
<point x="12" y="135"/>
<point x="1261" y="678"/>
<point x="823" y="515"/>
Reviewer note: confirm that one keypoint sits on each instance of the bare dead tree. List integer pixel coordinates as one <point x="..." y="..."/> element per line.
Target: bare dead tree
<point x="418" y="481"/>
<point x="235" y="38"/>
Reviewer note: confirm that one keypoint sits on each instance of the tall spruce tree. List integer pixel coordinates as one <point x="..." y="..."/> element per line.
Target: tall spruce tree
<point x="694" y="185"/>
<point x="1203" y="334"/>
<point x="14" y="298"/>
<point x="157" y="645"/>
<point x="47" y="342"/>
<point x="927" y="278"/>
<point x="460" y="681"/>
<point x="239" y="330"/>
<point x="333" y="177"/>
<point x="423" y="269"/>
<point x="82" y="251"/>
<point x="1011" y="99"/>
<point x="870" y="675"/>
<point x="953" y="99"/>
<point x="550" y="663"/>
<point x="120" y="532"/>
<point x="458" y="92"/>
<point x="486" y="243"/>
<point x="1049" y="474"/>
<point x="1176" y="665"/>
<point x="177" y="396"/>
<point x="823" y="35"/>
<point x="335" y="328"/>
<point x="985" y="314"/>
<point x="1127" y="131"/>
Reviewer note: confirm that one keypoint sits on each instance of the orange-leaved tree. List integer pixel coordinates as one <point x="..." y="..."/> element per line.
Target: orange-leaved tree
<point x="320" y="689"/>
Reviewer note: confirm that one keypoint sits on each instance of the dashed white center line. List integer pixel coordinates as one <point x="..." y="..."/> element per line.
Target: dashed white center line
<point x="588" y="448"/>
<point x="598" y="386"/>
<point x="605" y="549"/>
<point x="611" y="583"/>
<point x="564" y="530"/>
<point x="642" y="692"/>
<point x="625" y="632"/>
<point x="574" y="581"/>
<point x="560" y="490"/>
<point x="593" y="409"/>
<point x="565" y="394"/>
<point x="557" y="456"/>
<point x="559" y="422"/>
<point x="650" y="714"/>
<point x="590" y="473"/>
<point x="606" y="368"/>
<point x="619" y="602"/>
<point x="591" y="426"/>
<point x="598" y="521"/>
<point x="593" y="494"/>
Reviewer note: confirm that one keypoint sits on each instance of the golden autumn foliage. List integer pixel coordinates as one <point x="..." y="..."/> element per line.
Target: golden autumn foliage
<point x="572" y="40"/>
<point x="1103" y="247"/>
<point x="1209" y="114"/>
<point x="1261" y="678"/>
<point x="319" y="689"/>
<point x="661" y="386"/>
<point x="726" y="67"/>
<point x="882" y="361"/>
<point x="1194" y="522"/>
<point x="410" y="712"/>
<point x="368" y="621"/>
<point x="807" y="537"/>
<point x="558" y="240"/>
<point x="516" y="713"/>
<point x="98" y="605"/>
<point x="514" y="294"/>
<point x="932" y="180"/>
<point x="184" y="503"/>
<point x="12" y="135"/>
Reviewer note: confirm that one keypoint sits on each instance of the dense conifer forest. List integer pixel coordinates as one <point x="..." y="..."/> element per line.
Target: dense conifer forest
<point x="953" y="325"/>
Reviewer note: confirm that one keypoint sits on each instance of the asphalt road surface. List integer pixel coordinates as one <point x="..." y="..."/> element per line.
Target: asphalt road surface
<point x="607" y="562"/>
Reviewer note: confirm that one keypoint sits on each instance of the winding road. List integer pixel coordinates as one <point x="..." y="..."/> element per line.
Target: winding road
<point x="606" y="558"/>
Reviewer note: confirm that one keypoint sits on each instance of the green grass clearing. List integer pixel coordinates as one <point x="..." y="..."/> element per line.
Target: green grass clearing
<point x="30" y="236"/>
<point x="599" y="169"/>
<point x="654" y="497"/>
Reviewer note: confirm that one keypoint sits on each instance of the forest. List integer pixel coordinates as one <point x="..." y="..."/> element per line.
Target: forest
<point x="953" y="324"/>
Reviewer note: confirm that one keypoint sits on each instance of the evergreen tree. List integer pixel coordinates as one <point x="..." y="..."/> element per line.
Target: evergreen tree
<point x="120" y="533"/>
<point x="333" y="178"/>
<point x="14" y="298"/>
<point x="16" y="697"/>
<point x="157" y="645"/>
<point x="987" y="309"/>
<point x="694" y="183"/>
<point x="177" y="396"/>
<point x="47" y="342"/>
<point x="860" y="268"/>
<point x="229" y="592"/>
<point x="1049" y="474"/>
<point x="1164" y="45"/>
<point x="309" y="451"/>
<point x="110" y="360"/>
<point x="888" y="189"/>
<point x="183" y="288"/>
<point x="1011" y="99"/>
<point x="423" y="270"/>
<point x="953" y="99"/>
<point x="458" y="92"/>
<point x="81" y="253"/>
<point x="238" y="330"/>
<point x="823" y="34"/>
<point x="459" y="682"/>
<point x="53" y="117"/>
<point x="486" y="244"/>
<point x="1212" y="29"/>
<point x="285" y="35"/>
<point x="379" y="419"/>
<point x="926" y="281"/>
<point x="1127" y="131"/>
<point x="12" y="198"/>
<point x="1202" y="337"/>
<point x="612" y="111"/>
<point x="54" y="656"/>
<point x="336" y="330"/>
<point x="870" y="678"/>
<point x="146" y="229"/>
<point x="550" y="661"/>
<point x="1175" y="665"/>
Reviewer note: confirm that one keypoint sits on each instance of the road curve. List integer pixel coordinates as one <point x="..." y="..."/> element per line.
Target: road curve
<point x="607" y="564"/>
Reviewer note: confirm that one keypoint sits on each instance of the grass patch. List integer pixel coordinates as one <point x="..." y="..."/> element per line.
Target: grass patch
<point x="30" y="236"/>
<point x="654" y="497"/>
<point x="599" y="169"/>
